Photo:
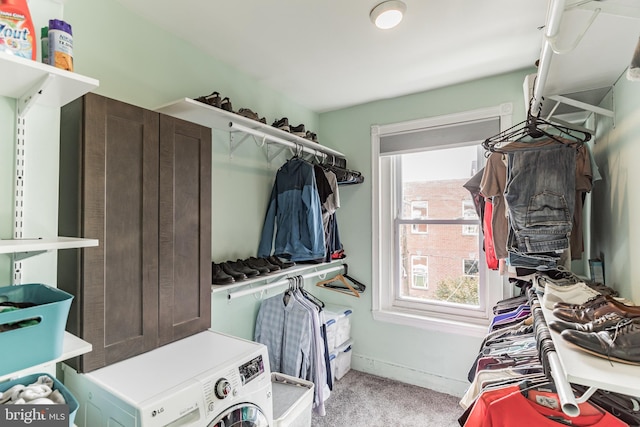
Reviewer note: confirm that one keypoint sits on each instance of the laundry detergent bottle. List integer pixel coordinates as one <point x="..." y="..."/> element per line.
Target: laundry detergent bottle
<point x="17" y="36"/>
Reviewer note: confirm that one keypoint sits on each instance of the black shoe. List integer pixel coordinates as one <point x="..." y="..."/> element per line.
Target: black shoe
<point x="620" y="343"/>
<point x="262" y="262"/>
<point x="218" y="276"/>
<point x="245" y="112"/>
<point x="237" y="275"/>
<point x="283" y="263"/>
<point x="599" y="324"/>
<point x="213" y="99"/>
<point x="226" y="104"/>
<point x="311" y="136"/>
<point x="298" y="130"/>
<point x="240" y="267"/>
<point x="251" y="264"/>
<point x="282" y="124"/>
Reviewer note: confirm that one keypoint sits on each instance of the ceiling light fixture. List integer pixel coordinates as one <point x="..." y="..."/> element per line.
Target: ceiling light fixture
<point x="388" y="14"/>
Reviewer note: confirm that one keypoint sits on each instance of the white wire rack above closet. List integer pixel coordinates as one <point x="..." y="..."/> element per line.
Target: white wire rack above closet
<point x="242" y="128"/>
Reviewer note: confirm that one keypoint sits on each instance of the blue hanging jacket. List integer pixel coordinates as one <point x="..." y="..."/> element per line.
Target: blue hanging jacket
<point x="293" y="222"/>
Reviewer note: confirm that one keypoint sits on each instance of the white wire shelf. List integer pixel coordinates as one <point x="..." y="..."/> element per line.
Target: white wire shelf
<point x="217" y="118"/>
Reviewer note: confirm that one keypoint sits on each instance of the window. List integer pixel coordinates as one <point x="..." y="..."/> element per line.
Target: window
<point x="419" y="210"/>
<point x="470" y="267"/>
<point x="427" y="274"/>
<point x="469" y="212"/>
<point x="419" y="272"/>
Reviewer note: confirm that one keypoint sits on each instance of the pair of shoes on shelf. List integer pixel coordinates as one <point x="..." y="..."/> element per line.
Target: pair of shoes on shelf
<point x="619" y="341"/>
<point x="215" y="100"/>
<point x="577" y="293"/>
<point x="245" y="112"/>
<point x="282" y="124"/>
<point x="281" y="262"/>
<point x="594" y="308"/>
<point x="235" y="271"/>
<point x="310" y="136"/>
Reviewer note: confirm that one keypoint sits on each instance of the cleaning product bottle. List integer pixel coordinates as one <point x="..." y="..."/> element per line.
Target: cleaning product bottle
<point x="44" y="44"/>
<point x="17" y="36"/>
<point x="60" y="45"/>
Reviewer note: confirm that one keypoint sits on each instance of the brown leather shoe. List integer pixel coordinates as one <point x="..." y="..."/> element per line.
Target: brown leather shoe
<point x="596" y="301"/>
<point x="591" y="313"/>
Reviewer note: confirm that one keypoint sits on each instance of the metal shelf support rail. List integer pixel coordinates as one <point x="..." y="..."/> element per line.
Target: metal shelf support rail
<point x="282" y="282"/>
<point x="323" y="152"/>
<point x="551" y="31"/>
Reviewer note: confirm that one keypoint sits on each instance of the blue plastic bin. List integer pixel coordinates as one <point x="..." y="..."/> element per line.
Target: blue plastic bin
<point x="57" y="385"/>
<point x="32" y="345"/>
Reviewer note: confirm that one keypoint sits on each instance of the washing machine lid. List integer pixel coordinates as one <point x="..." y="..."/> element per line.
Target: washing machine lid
<point x="145" y="376"/>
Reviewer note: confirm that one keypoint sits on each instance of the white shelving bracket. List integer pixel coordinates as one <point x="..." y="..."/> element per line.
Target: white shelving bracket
<point x="25" y="102"/>
<point x="19" y="256"/>
<point x="235" y="142"/>
<point x="587" y="394"/>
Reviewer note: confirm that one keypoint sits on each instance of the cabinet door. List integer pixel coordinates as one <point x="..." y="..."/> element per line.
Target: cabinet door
<point x="185" y="229"/>
<point x="117" y="286"/>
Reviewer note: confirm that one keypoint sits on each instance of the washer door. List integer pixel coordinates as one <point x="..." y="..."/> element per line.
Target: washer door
<point x="241" y="415"/>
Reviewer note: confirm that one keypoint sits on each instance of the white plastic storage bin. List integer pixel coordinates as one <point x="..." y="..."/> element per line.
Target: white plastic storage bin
<point x="332" y="364"/>
<point x="343" y="360"/>
<point x="292" y="401"/>
<point x="338" y="321"/>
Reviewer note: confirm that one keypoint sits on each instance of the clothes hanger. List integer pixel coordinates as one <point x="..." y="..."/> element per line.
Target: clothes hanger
<point x="358" y="285"/>
<point x="535" y="127"/>
<point x="349" y="290"/>
<point x="312" y="298"/>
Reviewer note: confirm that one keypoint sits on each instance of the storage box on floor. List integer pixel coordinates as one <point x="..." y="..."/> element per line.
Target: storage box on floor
<point x="338" y="325"/>
<point x="28" y="380"/>
<point x="292" y="401"/>
<point x="31" y="335"/>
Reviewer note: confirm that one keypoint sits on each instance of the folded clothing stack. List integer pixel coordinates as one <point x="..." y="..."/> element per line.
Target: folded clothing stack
<point x="40" y="392"/>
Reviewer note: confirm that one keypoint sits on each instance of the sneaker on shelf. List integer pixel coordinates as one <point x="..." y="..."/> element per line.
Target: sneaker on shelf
<point x="577" y="293"/>
<point x="282" y="262"/>
<point x="311" y="136"/>
<point x="225" y="104"/>
<point x="245" y="112"/>
<point x="263" y="120"/>
<point x="282" y="124"/>
<point x="298" y="130"/>
<point x="218" y="276"/>
<point x="213" y="99"/>
<point x="242" y="268"/>
<point x="237" y="275"/>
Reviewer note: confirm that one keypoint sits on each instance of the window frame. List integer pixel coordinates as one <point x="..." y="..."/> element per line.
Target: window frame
<point x="447" y="317"/>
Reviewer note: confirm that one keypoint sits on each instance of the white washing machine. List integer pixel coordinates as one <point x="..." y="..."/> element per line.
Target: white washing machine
<point x="206" y="380"/>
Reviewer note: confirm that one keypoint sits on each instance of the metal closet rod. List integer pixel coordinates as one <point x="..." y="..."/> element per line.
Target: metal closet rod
<point x="324" y="152"/>
<point x="551" y="30"/>
<point x="244" y="292"/>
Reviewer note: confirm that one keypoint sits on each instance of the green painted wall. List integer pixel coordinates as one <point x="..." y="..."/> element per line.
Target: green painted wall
<point x="616" y="198"/>
<point x="430" y="358"/>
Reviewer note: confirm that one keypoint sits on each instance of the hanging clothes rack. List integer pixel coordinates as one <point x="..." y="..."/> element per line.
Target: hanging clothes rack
<point x="282" y="282"/>
<point x="547" y="351"/>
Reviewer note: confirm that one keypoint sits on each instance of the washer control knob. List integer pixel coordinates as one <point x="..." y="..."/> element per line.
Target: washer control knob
<point x="223" y="388"/>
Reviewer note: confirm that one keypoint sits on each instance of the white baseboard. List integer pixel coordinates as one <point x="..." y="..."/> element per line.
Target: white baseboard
<point x="407" y="375"/>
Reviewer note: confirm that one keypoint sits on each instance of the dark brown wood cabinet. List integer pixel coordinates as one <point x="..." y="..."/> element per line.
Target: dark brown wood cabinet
<point x="140" y="182"/>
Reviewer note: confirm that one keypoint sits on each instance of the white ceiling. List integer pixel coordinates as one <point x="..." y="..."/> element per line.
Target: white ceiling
<point x="326" y="54"/>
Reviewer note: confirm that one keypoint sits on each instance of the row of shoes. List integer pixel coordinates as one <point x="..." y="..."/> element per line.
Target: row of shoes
<point x="604" y="326"/>
<point x="215" y="100"/>
<point x="283" y="124"/>
<point x="228" y="272"/>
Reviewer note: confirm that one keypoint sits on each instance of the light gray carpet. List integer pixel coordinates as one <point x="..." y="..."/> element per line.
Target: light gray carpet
<point x="364" y="400"/>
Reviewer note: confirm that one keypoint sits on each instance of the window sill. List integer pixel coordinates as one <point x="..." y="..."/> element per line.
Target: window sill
<point x="431" y="322"/>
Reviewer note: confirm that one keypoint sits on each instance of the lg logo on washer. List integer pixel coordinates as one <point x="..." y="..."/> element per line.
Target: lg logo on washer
<point x="157" y="412"/>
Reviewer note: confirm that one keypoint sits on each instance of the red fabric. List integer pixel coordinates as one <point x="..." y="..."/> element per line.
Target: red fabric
<point x="489" y="249"/>
<point x="509" y="408"/>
